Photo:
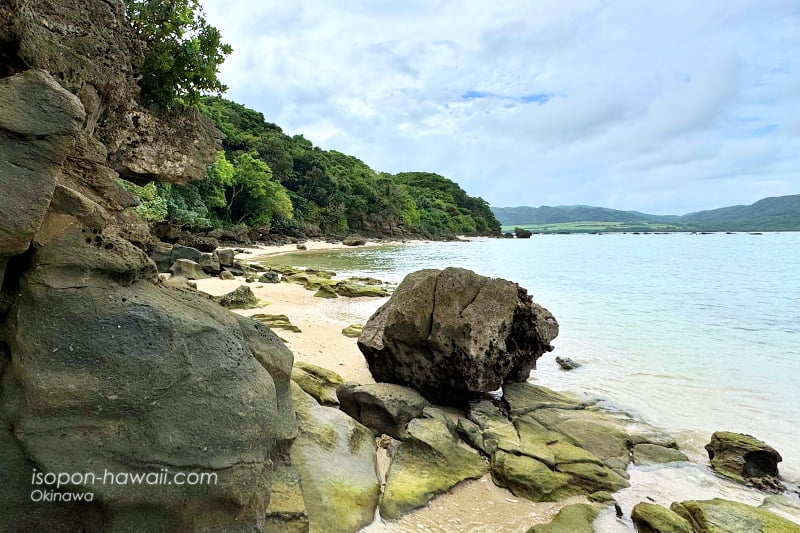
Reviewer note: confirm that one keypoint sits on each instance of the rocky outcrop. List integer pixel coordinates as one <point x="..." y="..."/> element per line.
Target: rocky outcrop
<point x="427" y="463"/>
<point x="337" y="464"/>
<point x="724" y="516"/>
<point x="745" y="459"/>
<point x="102" y="367"/>
<point x="382" y="407"/>
<point x="522" y="233"/>
<point x="452" y="334"/>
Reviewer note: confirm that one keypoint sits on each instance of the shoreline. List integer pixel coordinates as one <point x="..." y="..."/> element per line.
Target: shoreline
<point x="477" y="504"/>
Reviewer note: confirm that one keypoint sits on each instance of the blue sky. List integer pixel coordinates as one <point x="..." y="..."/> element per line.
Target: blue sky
<point x="663" y="107"/>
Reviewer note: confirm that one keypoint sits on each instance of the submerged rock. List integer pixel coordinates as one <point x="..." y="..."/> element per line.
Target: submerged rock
<point x="452" y="335"/>
<point x="382" y="407"/>
<point x="427" y="463"/>
<point x="724" y="516"/>
<point x="745" y="459"/>
<point x="566" y="363"/>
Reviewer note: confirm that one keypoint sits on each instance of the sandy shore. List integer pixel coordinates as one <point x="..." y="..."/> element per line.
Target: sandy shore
<point x="256" y="252"/>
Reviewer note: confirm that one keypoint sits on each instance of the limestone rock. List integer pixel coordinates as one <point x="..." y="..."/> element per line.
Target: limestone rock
<point x="119" y="386"/>
<point x="184" y="252"/>
<point x="723" y="516"/>
<point x="525" y="397"/>
<point x="326" y="291"/>
<point x="354" y="290"/>
<point x="226" y="275"/>
<point x="241" y="297"/>
<point x="651" y="518"/>
<point x="337" y="462"/>
<point x="382" y="407"/>
<point x="226" y="256"/>
<point x="566" y="363"/>
<point x="522" y="233"/>
<point x="649" y="454"/>
<point x="209" y="262"/>
<point x="318" y="382"/>
<point x="270" y="276"/>
<point x="427" y="463"/>
<point x="162" y="256"/>
<point x="354" y="240"/>
<point x="187" y="269"/>
<point x="744" y="458"/>
<point x="575" y="518"/>
<point x="452" y="334"/>
<point x="353" y="330"/>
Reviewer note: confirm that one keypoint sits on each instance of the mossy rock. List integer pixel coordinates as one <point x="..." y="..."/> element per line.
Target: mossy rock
<point x="241" y="297"/>
<point x="724" y="516"/>
<point x="365" y="280"/>
<point x="276" y="321"/>
<point x="743" y="458"/>
<point x="592" y="477"/>
<point x="525" y="397"/>
<point x="575" y="518"/>
<point x="318" y="382"/>
<point x="353" y="330"/>
<point x="651" y="518"/>
<point x="320" y="273"/>
<point x="650" y="454"/>
<point x="529" y="478"/>
<point x="352" y="290"/>
<point x="427" y="463"/>
<point x="325" y="291"/>
<point x="337" y="462"/>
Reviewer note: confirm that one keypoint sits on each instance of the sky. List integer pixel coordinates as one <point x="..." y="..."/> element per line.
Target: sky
<point x="664" y="107"/>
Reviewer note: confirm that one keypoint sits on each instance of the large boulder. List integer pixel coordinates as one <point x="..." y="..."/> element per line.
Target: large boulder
<point x="241" y="297"/>
<point x="427" y="463"/>
<point x="453" y="334"/>
<point x="745" y="459"/>
<point x="113" y="375"/>
<point x="337" y="463"/>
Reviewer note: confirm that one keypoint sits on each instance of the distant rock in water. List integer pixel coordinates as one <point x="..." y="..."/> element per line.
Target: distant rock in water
<point x="453" y="334"/>
<point x="745" y="459"/>
<point x="522" y="233"/>
<point x="354" y="240"/>
<point x="567" y="364"/>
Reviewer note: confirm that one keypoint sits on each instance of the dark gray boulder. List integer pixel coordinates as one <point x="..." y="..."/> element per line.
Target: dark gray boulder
<point x="184" y="252"/>
<point x="382" y="407"/>
<point x="270" y="276"/>
<point x="453" y="334"/>
<point x="522" y="233"/>
<point x="209" y="262"/>
<point x="226" y="256"/>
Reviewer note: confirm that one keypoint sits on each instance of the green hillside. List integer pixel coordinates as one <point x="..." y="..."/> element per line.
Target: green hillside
<point x="267" y="179"/>
<point x="769" y="214"/>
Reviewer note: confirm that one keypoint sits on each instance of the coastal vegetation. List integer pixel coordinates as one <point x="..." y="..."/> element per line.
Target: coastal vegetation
<point x="780" y="213"/>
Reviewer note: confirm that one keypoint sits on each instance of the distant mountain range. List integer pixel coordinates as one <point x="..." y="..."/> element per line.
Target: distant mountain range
<point x="781" y="213"/>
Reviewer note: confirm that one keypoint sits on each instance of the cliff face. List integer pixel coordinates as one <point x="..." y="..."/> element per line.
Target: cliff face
<point x="102" y="369"/>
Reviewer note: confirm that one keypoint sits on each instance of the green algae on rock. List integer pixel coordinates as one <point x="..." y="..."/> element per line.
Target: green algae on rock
<point x="241" y="297"/>
<point x="427" y="463"/>
<point x="575" y="518"/>
<point x="651" y="518"/>
<point x="276" y="321"/>
<point x="725" y="516"/>
<point x="318" y="382"/>
<point x="353" y="330"/>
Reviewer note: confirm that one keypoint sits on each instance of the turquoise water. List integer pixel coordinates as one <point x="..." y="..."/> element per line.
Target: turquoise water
<point x="695" y="333"/>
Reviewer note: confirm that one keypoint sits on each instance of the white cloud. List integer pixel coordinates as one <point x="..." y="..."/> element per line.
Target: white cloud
<point x="664" y="107"/>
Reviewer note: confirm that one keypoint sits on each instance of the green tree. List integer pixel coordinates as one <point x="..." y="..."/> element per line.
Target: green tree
<point x="253" y="196"/>
<point x="182" y="52"/>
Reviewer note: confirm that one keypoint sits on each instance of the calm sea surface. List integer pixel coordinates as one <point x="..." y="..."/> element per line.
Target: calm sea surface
<point x="695" y="333"/>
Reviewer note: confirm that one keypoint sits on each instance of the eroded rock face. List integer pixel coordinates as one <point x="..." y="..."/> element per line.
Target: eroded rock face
<point x="745" y="459"/>
<point x="452" y="334"/>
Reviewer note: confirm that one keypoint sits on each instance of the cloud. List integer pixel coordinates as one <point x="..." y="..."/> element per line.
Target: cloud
<point x="664" y="107"/>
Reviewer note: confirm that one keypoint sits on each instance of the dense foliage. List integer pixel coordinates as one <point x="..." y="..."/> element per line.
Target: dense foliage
<point x="265" y="178"/>
<point x="182" y="52"/>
